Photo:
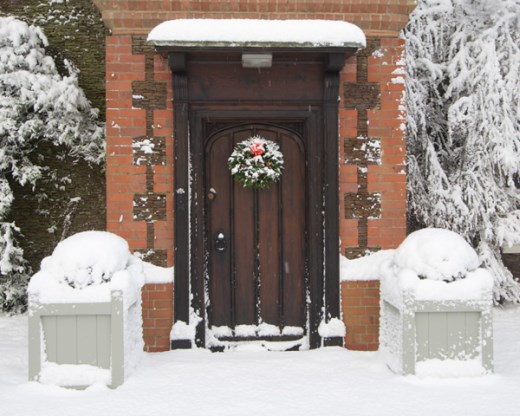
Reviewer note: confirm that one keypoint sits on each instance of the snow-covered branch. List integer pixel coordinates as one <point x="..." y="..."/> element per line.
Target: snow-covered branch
<point x="40" y="110"/>
<point x="463" y="81"/>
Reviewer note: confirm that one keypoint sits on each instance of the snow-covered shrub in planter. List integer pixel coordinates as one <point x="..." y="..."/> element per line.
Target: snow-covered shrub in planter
<point x="85" y="323"/>
<point x="436" y="307"/>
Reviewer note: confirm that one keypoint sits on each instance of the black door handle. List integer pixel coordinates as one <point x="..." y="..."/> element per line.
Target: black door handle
<point x="220" y="242"/>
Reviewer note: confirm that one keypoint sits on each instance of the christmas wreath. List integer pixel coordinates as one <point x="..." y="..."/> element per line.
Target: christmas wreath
<point x="256" y="163"/>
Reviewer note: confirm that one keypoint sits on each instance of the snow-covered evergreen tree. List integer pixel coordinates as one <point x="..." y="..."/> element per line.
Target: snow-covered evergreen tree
<point x="41" y="113"/>
<point x="463" y="97"/>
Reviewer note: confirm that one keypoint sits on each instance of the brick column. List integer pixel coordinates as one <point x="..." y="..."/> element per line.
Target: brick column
<point x="360" y="305"/>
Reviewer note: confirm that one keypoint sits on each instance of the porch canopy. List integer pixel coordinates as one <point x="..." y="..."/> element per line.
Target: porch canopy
<point x="253" y="33"/>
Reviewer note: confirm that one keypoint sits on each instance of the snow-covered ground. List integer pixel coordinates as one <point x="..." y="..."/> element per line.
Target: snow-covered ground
<point x="330" y="381"/>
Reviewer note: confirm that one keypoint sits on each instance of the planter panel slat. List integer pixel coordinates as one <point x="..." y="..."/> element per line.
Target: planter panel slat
<point x="103" y="341"/>
<point x="456" y="332"/>
<point x="473" y="335"/>
<point x="50" y="330"/>
<point x="86" y="332"/>
<point x="437" y="333"/>
<point x="423" y="335"/>
<point x="66" y="340"/>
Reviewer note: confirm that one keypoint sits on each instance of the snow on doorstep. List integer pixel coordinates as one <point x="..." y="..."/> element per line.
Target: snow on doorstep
<point x="364" y="268"/>
<point x="222" y="331"/>
<point x="69" y="375"/>
<point x="334" y="328"/>
<point x="215" y="337"/>
<point x="246" y="330"/>
<point x="252" y="32"/>
<point x="181" y="330"/>
<point x="292" y="330"/>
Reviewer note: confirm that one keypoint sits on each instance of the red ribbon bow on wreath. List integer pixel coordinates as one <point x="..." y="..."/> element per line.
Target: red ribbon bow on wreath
<point x="257" y="148"/>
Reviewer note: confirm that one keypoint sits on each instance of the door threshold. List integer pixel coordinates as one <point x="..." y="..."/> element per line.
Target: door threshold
<point x="274" y="338"/>
<point x="259" y="345"/>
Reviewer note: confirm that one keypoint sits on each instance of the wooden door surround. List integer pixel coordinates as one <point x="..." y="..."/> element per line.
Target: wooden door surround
<point x="214" y="94"/>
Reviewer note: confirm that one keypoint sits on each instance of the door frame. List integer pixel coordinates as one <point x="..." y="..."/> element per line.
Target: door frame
<point x="202" y="123"/>
<point x="320" y="122"/>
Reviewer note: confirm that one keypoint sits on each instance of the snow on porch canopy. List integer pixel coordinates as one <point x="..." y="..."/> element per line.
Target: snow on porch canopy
<point x="257" y="33"/>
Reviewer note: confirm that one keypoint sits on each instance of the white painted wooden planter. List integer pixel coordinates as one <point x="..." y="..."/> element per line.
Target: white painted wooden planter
<point x="80" y="334"/>
<point x="415" y="331"/>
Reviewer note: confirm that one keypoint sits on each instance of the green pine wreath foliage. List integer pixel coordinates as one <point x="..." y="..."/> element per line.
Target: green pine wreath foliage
<point x="256" y="163"/>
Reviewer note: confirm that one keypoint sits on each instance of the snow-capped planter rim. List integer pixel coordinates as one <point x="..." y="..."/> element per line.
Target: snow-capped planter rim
<point x="257" y="33"/>
<point x="405" y="286"/>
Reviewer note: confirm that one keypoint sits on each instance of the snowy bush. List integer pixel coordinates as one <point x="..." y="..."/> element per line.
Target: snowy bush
<point x="435" y="264"/>
<point x="13" y="270"/>
<point x="89" y="258"/>
<point x="85" y="268"/>
<point x="463" y="79"/>
<point x="40" y="110"/>
<point x="436" y="254"/>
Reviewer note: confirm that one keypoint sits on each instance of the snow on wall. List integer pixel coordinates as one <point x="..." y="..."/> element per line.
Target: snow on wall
<point x="155" y="274"/>
<point x="364" y="268"/>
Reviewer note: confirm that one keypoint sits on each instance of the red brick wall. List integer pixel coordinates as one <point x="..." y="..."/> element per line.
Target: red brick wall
<point x="386" y="17"/>
<point x="140" y="110"/>
<point x="157" y="316"/>
<point x="139" y="183"/>
<point x="360" y="307"/>
<point x="373" y="150"/>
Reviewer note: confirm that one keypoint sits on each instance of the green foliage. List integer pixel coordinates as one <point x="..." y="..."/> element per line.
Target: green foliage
<point x="256" y="163"/>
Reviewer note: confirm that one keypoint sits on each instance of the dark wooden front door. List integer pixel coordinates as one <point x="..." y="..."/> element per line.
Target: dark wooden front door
<point x="276" y="264"/>
<point x="255" y="239"/>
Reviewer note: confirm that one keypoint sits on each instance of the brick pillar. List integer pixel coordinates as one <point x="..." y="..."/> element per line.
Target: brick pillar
<point x="360" y="307"/>
<point x="157" y="316"/>
<point x="139" y="173"/>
